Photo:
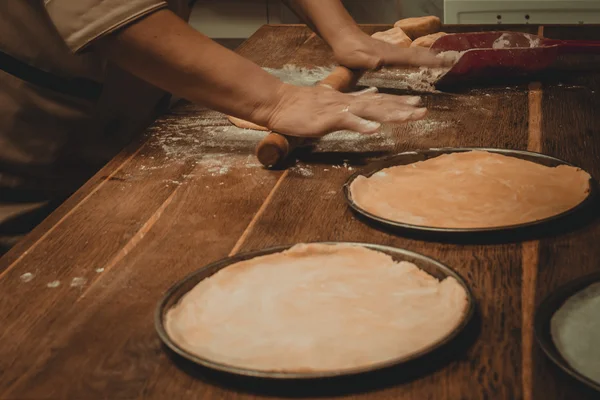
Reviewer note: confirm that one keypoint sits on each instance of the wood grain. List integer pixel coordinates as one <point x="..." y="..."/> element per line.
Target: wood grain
<point x="571" y="131"/>
<point x="117" y="212"/>
<point x="530" y="259"/>
<point x="190" y="192"/>
<point x="468" y="119"/>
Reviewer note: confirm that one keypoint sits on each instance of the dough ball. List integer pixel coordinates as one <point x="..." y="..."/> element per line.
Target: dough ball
<point x="427" y="41"/>
<point x="395" y="36"/>
<point x="420" y="26"/>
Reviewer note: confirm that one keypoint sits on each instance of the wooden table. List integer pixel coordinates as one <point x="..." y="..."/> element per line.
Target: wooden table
<point x="191" y="192"/>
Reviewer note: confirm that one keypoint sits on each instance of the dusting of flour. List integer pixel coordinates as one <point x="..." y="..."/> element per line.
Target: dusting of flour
<point x="300" y="76"/>
<point x="501" y="43"/>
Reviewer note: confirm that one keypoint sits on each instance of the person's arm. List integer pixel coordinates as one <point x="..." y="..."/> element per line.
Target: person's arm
<point x="163" y="50"/>
<point x="351" y="46"/>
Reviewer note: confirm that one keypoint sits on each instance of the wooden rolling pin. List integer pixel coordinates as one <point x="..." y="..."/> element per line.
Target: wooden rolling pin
<point x="275" y="147"/>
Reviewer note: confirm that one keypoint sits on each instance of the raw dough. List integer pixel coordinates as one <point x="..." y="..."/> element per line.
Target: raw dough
<point x="427" y="41"/>
<point x="316" y="307"/>
<point x="240" y="123"/>
<point x="470" y="190"/>
<point x="419" y="26"/>
<point x="575" y="331"/>
<point x="395" y="36"/>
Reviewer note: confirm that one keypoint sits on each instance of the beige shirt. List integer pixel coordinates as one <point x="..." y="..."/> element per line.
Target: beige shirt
<point x="64" y="112"/>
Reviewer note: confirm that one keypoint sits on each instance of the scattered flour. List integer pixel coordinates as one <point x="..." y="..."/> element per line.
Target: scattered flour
<point x="501" y="43"/>
<point x="99" y="270"/>
<point x="419" y="80"/>
<point x="303" y="170"/>
<point x="425" y="78"/>
<point x="182" y="141"/>
<point x="426" y="126"/>
<point x="208" y="140"/>
<point x="533" y="42"/>
<point x="78" y="282"/>
<point x="300" y="76"/>
<point x="53" y="284"/>
<point x="27" y="277"/>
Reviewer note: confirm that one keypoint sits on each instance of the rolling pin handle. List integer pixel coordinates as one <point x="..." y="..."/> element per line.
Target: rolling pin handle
<point x="272" y="149"/>
<point x="275" y="147"/>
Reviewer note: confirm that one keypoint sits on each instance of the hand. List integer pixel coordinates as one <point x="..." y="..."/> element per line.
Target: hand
<point x="316" y="111"/>
<point x="358" y="50"/>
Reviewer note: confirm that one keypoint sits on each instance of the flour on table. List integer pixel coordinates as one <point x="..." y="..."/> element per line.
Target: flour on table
<point x="303" y="170"/>
<point x="27" y="277"/>
<point x="426" y="126"/>
<point x="357" y="142"/>
<point x="78" y="282"/>
<point x="420" y="80"/>
<point x="181" y="140"/>
<point x="53" y="284"/>
<point x="425" y="79"/>
<point x="300" y="76"/>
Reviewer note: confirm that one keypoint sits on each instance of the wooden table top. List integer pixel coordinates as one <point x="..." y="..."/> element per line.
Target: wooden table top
<point x="80" y="326"/>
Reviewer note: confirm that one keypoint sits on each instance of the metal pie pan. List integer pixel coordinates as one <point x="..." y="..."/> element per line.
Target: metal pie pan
<point x="176" y="292"/>
<point x="544" y="315"/>
<point x="422" y="155"/>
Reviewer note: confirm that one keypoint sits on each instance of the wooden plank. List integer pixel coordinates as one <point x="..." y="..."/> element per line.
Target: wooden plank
<point x="491" y="368"/>
<point x="569" y="131"/>
<point x="194" y="193"/>
<point x="194" y="170"/>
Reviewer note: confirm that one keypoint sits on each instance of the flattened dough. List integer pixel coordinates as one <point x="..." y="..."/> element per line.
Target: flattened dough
<point x="241" y="123"/>
<point x="316" y="307"/>
<point x="470" y="190"/>
<point x="575" y="331"/>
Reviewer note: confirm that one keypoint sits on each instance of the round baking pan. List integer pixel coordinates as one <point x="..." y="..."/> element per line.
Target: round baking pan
<point x="176" y="292"/>
<point x="544" y="315"/>
<point x="475" y="234"/>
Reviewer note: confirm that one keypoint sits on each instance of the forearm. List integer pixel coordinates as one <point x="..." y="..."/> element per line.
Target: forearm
<point x="328" y="18"/>
<point x="163" y="50"/>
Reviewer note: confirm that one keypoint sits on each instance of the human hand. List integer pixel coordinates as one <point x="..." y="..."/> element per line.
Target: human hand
<point x="316" y="111"/>
<point x="355" y="49"/>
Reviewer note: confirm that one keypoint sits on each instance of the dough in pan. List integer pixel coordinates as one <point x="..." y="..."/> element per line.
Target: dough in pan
<point x="316" y="307"/>
<point x="470" y="190"/>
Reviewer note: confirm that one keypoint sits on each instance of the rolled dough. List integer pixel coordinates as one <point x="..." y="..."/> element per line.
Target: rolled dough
<point x="470" y="190"/>
<point x="316" y="307"/>
<point x="240" y="123"/>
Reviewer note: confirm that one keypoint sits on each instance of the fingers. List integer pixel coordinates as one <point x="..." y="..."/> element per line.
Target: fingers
<point x="388" y="113"/>
<point x="369" y="90"/>
<point x="357" y="124"/>
<point x="371" y="94"/>
<point x="418" y="57"/>
<point x="385" y="108"/>
<point x="314" y="112"/>
<point x="365" y="114"/>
